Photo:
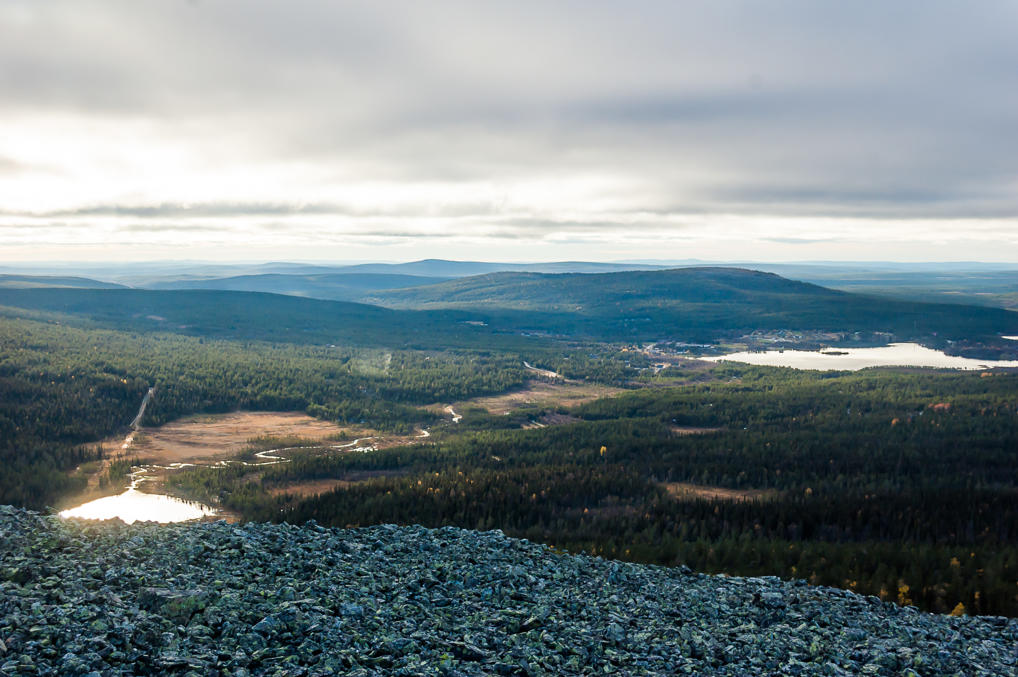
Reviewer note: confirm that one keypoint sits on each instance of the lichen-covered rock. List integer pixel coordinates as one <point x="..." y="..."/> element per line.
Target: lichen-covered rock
<point x="261" y="599"/>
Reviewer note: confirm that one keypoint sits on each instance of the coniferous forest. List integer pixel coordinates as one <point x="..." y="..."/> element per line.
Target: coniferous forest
<point x="900" y="483"/>
<point x="855" y="480"/>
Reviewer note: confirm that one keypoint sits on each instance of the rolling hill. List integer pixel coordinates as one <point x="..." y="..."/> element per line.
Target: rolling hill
<point x="329" y="286"/>
<point x="443" y="268"/>
<point x="47" y="281"/>
<point x="695" y="304"/>
<point x="254" y="316"/>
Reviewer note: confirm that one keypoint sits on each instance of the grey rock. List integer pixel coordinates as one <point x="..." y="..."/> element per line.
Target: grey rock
<point x="268" y="599"/>
<point x="175" y="605"/>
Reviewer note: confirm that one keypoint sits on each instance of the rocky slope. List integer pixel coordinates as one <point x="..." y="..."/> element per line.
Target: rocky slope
<point x="215" y="598"/>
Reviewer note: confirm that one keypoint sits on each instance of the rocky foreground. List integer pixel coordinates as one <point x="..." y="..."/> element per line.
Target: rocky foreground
<point x="221" y="599"/>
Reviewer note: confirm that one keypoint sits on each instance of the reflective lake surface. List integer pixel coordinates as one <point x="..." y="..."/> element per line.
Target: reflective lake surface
<point x="852" y="359"/>
<point x="135" y="506"/>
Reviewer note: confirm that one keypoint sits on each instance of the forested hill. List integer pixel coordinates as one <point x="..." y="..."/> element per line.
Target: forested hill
<point x="694" y="302"/>
<point x="700" y="304"/>
<point x="330" y="286"/>
<point x="603" y="293"/>
<point x="256" y="316"/>
<point x="35" y="281"/>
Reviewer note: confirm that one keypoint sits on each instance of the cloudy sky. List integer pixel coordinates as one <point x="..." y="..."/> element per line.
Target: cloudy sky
<point x="516" y="130"/>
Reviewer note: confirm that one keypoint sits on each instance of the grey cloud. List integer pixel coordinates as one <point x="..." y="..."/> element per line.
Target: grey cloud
<point x="801" y="240"/>
<point x="260" y="209"/>
<point x="22" y="226"/>
<point x="885" y="202"/>
<point x="891" y="110"/>
<point x="206" y="209"/>
<point x="9" y="166"/>
<point x="149" y="227"/>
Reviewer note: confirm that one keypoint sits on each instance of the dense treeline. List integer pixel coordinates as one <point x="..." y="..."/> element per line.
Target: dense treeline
<point x="891" y="482"/>
<point x="899" y="484"/>
<point x="251" y="316"/>
<point x="62" y="387"/>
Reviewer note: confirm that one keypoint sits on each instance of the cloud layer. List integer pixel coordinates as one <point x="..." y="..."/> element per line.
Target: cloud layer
<point x="785" y="129"/>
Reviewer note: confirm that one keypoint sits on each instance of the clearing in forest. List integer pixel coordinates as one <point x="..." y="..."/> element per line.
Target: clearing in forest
<point x="206" y="436"/>
<point x="683" y="490"/>
<point x="540" y="394"/>
<point x="307" y="488"/>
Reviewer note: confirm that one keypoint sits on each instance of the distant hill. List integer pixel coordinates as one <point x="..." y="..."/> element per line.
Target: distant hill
<point x="976" y="286"/>
<point x="696" y="301"/>
<point x="695" y="304"/>
<point x="331" y="286"/>
<point x="602" y="293"/>
<point x="442" y="268"/>
<point x="168" y="275"/>
<point x="353" y="283"/>
<point x="41" y="281"/>
<point x="257" y="316"/>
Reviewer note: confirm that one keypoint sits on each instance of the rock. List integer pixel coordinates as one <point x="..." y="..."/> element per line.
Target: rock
<point x="174" y="605"/>
<point x="770" y="600"/>
<point x="266" y="599"/>
<point x="267" y="625"/>
<point x="352" y="610"/>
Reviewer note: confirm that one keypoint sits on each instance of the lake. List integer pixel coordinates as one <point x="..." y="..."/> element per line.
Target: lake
<point x="853" y="359"/>
<point x="136" y="506"/>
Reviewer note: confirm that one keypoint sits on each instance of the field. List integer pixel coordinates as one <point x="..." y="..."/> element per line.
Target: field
<point x="204" y="437"/>
<point x="685" y="491"/>
<point x="540" y="395"/>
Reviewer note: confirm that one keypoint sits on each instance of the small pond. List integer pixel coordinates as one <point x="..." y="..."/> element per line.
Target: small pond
<point x="136" y="506"/>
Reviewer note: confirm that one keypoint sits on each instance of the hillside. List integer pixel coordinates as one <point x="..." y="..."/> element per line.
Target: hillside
<point x="330" y="286"/>
<point x="46" y="281"/>
<point x="281" y="599"/>
<point x="156" y="274"/>
<point x="604" y="292"/>
<point x="693" y="302"/>
<point x="443" y="268"/>
<point x="255" y="316"/>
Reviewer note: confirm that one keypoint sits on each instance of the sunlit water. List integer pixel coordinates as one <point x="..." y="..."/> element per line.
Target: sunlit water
<point x="135" y="506"/>
<point x="852" y="359"/>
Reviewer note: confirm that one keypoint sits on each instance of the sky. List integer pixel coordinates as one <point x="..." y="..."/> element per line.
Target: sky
<point x="508" y="130"/>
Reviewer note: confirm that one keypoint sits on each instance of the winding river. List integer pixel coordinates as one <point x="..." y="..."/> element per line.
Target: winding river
<point x="134" y="505"/>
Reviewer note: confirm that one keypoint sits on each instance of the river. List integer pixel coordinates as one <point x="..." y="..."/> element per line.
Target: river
<point x="135" y="505"/>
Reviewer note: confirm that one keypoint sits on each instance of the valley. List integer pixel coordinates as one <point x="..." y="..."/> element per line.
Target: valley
<point x="502" y="338"/>
<point x="572" y="425"/>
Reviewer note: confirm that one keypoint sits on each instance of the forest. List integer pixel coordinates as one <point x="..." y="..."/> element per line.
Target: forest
<point x="62" y="387"/>
<point x="900" y="483"/>
<point x="892" y="483"/>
